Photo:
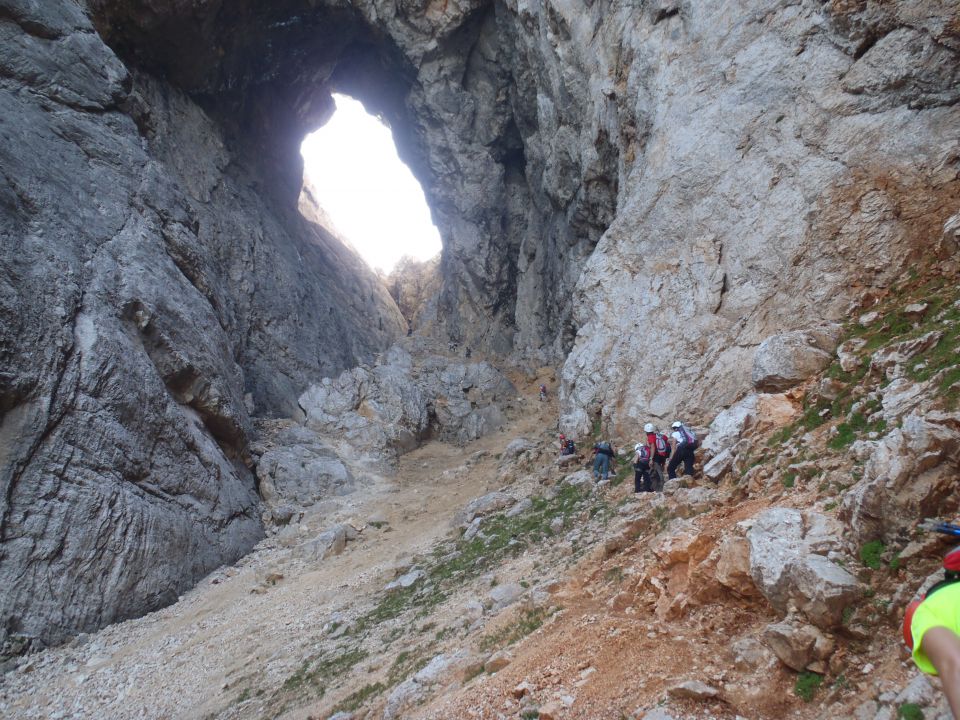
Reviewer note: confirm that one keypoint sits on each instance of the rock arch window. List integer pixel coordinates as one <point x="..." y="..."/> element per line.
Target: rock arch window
<point x="353" y="171"/>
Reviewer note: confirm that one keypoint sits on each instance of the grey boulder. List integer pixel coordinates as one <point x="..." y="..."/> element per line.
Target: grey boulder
<point x="785" y="360"/>
<point x="798" y="644"/>
<point x="789" y="572"/>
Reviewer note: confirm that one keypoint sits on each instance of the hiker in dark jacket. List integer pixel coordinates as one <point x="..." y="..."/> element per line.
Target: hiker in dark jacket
<point x="685" y="442"/>
<point x="641" y="468"/>
<point x="659" y="445"/>
<point x="602" y="454"/>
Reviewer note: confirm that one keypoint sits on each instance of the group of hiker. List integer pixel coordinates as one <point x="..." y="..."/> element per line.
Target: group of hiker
<point x="650" y="457"/>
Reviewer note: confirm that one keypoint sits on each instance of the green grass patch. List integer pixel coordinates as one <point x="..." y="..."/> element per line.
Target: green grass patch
<point x="529" y="620"/>
<point x="355" y="701"/>
<point x="870" y="554"/>
<point x="789" y="479"/>
<point x="807" y="685"/>
<point x="781" y="435"/>
<point x="313" y="676"/>
<point x="623" y="472"/>
<point x="454" y="563"/>
<point x="894" y="325"/>
<point x="614" y="575"/>
<point x="841" y="683"/>
<point x="406" y="664"/>
<point x="856" y="424"/>
<point x="909" y="711"/>
<point x="661" y="516"/>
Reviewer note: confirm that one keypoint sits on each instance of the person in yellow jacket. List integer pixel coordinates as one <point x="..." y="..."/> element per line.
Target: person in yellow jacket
<point x="931" y="629"/>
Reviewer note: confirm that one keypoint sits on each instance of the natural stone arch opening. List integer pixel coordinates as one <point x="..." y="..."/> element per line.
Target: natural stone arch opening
<point x="452" y="84"/>
<point x="353" y="174"/>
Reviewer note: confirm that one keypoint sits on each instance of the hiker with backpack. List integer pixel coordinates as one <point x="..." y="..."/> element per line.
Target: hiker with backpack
<point x="685" y="443"/>
<point x="659" y="445"/>
<point x="603" y="453"/>
<point x="641" y="468"/>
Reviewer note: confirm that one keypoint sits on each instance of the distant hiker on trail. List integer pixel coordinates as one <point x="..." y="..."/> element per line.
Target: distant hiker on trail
<point x="567" y="446"/>
<point x="931" y="626"/>
<point x="603" y="453"/>
<point x="641" y="468"/>
<point x="660" y="449"/>
<point x="543" y="392"/>
<point x="685" y="442"/>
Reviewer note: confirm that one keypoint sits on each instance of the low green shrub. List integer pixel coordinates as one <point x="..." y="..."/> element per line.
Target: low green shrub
<point x="870" y="554"/>
<point x="807" y="685"/>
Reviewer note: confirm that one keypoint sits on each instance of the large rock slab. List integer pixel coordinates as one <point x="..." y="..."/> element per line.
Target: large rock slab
<point x="789" y="572"/>
<point x="908" y="474"/>
<point x="374" y="414"/>
<point x="729" y="425"/>
<point x="301" y="471"/>
<point x="787" y="359"/>
<point x="483" y="505"/>
<point x="733" y="567"/>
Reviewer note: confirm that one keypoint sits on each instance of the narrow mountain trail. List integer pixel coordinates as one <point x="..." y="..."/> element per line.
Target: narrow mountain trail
<point x="261" y="617"/>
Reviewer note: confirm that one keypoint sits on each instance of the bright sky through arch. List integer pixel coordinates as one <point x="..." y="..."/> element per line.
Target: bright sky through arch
<point x="371" y="196"/>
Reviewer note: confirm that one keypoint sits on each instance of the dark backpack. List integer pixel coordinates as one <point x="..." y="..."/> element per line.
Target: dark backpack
<point x="690" y="437"/>
<point x="643" y="454"/>
<point x="662" y="444"/>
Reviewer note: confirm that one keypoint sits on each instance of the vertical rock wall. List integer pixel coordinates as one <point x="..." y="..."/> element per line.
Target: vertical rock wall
<point x="787" y="157"/>
<point x="149" y="282"/>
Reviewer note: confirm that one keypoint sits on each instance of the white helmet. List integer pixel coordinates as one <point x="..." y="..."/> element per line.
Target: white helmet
<point x="648" y="427"/>
<point x="676" y="424"/>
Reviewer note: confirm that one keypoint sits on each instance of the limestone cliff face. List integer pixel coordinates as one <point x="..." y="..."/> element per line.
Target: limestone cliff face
<point x="645" y="188"/>
<point x="150" y="281"/>
<point x="788" y="157"/>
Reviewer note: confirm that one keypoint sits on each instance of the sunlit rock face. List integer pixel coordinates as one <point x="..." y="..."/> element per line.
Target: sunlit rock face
<point x="646" y="189"/>
<point x="784" y="160"/>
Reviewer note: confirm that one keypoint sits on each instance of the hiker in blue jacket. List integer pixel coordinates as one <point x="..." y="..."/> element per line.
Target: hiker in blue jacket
<point x="602" y="454"/>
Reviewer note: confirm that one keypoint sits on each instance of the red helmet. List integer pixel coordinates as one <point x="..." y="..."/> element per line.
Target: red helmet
<point x="562" y="436"/>
<point x="951" y="562"/>
<point x="907" y="619"/>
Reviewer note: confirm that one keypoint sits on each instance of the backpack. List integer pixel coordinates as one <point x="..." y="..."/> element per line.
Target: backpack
<point x="662" y="444"/>
<point x="643" y="454"/>
<point x="604" y="447"/>
<point x="689" y="436"/>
